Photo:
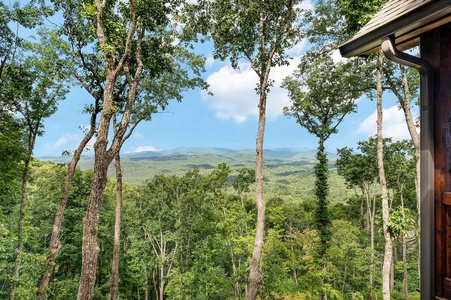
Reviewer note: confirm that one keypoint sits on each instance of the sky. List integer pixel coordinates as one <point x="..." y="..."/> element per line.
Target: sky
<point x="226" y="119"/>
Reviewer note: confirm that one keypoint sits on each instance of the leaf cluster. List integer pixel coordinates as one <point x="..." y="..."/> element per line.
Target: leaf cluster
<point x="323" y="92"/>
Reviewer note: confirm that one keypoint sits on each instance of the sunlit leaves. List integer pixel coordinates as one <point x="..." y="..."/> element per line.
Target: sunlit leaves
<point x="323" y="92"/>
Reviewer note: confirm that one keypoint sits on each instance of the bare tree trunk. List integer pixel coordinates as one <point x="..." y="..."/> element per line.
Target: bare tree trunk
<point x="404" y="263"/>
<point x="146" y="292"/>
<point x="114" y="289"/>
<point x="417" y="150"/>
<point x="385" y="209"/>
<point x="90" y="248"/>
<point x="370" y="296"/>
<point x="102" y="160"/>
<point x="415" y="136"/>
<point x="255" y="277"/>
<point x="55" y="244"/>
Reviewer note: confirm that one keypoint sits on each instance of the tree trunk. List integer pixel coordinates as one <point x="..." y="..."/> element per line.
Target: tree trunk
<point x="385" y="209"/>
<point x="117" y="232"/>
<point x="370" y="295"/>
<point x="103" y="157"/>
<point x="417" y="150"/>
<point x="415" y="136"/>
<point x="146" y="292"/>
<point x="55" y="244"/>
<point x="68" y="272"/>
<point x="255" y="277"/>
<point x="90" y="248"/>
<point x="102" y="160"/>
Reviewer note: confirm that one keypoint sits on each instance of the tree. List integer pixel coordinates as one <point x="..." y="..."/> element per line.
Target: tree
<point x="114" y="289"/>
<point x="33" y="90"/>
<point x="404" y="88"/>
<point x="388" y="252"/>
<point x="153" y="95"/>
<point x="55" y="239"/>
<point x="360" y="170"/>
<point x="322" y="94"/>
<point x="399" y="174"/>
<point x="260" y="32"/>
<point x="133" y="45"/>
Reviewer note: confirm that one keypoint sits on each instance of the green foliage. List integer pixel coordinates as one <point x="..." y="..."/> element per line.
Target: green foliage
<point x="210" y="222"/>
<point x="259" y="31"/>
<point x="401" y="222"/>
<point x="30" y="265"/>
<point x="323" y="92"/>
<point x="322" y="218"/>
<point x="358" y="13"/>
<point x="12" y="151"/>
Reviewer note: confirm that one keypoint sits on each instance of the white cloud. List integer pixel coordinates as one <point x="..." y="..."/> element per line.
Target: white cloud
<point x="234" y="92"/>
<point x="307" y="5"/>
<point x="394" y="125"/>
<point x="336" y="57"/>
<point x="145" y="148"/>
<point x="210" y="60"/>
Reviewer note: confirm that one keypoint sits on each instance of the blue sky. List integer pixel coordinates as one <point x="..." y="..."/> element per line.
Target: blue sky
<point x="226" y="119"/>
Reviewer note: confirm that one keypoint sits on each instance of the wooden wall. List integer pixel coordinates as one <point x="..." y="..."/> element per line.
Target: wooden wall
<point x="436" y="48"/>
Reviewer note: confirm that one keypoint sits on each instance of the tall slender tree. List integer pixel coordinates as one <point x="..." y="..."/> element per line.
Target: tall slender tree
<point x="259" y="31"/>
<point x="405" y="86"/>
<point x="322" y="94"/>
<point x="388" y="250"/>
<point x="37" y="82"/>
<point x="114" y="287"/>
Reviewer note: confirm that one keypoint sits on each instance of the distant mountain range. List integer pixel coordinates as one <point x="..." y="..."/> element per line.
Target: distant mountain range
<point x="287" y="171"/>
<point x="284" y="153"/>
<point x="279" y="152"/>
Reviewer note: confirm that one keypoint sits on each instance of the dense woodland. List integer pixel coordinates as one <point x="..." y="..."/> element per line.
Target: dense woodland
<point x="326" y="227"/>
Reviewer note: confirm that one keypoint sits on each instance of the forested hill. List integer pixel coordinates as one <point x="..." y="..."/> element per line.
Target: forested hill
<point x="288" y="171"/>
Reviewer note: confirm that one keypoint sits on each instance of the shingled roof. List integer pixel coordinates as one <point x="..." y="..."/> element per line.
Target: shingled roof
<point x="406" y="19"/>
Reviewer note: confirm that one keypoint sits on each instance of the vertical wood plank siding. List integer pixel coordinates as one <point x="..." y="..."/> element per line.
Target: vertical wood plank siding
<point x="436" y="48"/>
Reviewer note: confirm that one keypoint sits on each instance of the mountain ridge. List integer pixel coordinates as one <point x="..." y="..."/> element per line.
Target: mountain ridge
<point x="283" y="152"/>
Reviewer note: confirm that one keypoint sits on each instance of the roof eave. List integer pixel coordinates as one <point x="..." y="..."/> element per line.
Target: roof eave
<point x="406" y="29"/>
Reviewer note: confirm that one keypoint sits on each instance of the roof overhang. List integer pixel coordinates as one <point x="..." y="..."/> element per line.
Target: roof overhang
<point x="407" y="27"/>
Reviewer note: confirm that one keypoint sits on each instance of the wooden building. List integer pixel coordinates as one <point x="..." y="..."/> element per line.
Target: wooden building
<point x="402" y="24"/>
